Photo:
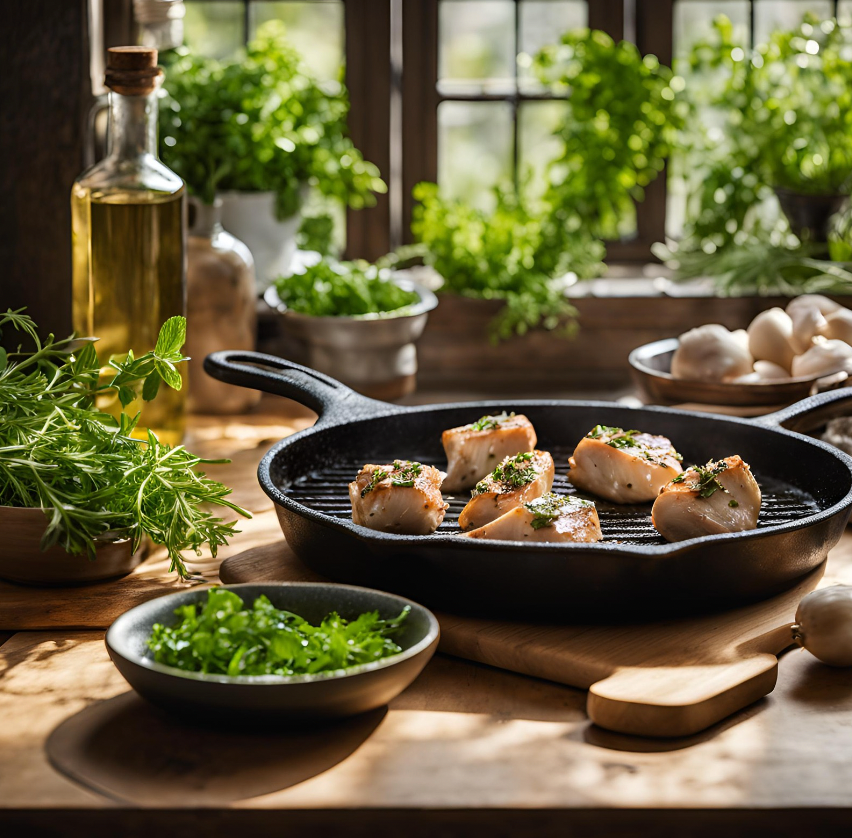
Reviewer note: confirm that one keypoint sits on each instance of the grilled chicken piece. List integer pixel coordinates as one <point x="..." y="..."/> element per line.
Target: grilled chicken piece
<point x="516" y="480"/>
<point x="473" y="450"/>
<point x="404" y="497"/>
<point x="623" y="466"/>
<point x="705" y="500"/>
<point x="550" y="518"/>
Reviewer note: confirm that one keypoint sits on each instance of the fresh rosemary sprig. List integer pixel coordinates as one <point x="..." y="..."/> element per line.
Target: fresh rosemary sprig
<point x="95" y="482"/>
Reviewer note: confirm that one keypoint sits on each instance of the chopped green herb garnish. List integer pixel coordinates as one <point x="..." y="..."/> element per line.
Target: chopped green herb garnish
<point x="405" y="473"/>
<point x="514" y="471"/>
<point x="707" y="484"/>
<point x="733" y="503"/>
<point x="223" y="636"/>
<point x="402" y="474"/>
<point x="375" y="478"/>
<point x="489" y="423"/>
<point x="551" y="506"/>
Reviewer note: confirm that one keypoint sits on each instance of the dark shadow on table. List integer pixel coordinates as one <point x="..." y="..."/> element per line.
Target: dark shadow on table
<point x="822" y="686"/>
<point x="128" y="750"/>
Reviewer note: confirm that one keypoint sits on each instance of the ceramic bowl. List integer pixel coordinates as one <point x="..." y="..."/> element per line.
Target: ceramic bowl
<point x="23" y="561"/>
<point x="278" y="698"/>
<point x="651" y="367"/>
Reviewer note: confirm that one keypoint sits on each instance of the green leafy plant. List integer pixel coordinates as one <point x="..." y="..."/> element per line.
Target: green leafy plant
<point x="92" y="478"/>
<point x="778" y="116"/>
<point x="623" y="115"/>
<point x="343" y="289"/>
<point x="262" y="122"/>
<point x="523" y="253"/>
<point x="224" y="637"/>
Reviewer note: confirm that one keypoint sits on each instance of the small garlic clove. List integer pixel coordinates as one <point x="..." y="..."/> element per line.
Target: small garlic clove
<point x="824" y="625"/>
<point x="823" y="358"/>
<point x="839" y="325"/>
<point x="769" y="338"/>
<point x="808" y="314"/>
<point x="711" y="353"/>
<point x="767" y="371"/>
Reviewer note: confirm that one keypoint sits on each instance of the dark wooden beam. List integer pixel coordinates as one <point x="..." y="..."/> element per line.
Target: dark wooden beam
<point x="368" y="77"/>
<point x="607" y="15"/>
<point x="46" y="92"/>
<point x="419" y="100"/>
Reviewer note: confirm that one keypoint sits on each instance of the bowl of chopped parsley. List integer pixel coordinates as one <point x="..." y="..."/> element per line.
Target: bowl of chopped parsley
<point x="354" y="321"/>
<point x="282" y="651"/>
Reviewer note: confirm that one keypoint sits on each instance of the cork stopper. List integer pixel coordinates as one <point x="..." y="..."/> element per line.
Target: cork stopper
<point x="132" y="71"/>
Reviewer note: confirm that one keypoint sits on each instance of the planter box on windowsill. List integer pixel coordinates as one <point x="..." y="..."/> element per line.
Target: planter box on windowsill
<point x="455" y="352"/>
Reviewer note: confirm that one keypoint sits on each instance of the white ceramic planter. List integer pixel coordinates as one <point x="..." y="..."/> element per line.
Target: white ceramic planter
<point x="250" y="216"/>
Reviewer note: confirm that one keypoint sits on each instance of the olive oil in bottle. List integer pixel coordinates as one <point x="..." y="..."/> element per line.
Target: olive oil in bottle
<point x="128" y="229"/>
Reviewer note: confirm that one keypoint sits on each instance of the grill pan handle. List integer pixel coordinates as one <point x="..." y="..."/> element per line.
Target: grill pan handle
<point x="327" y="396"/>
<point x="812" y="412"/>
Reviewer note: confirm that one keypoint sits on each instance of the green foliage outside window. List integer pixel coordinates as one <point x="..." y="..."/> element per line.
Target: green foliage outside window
<point x="262" y="122"/>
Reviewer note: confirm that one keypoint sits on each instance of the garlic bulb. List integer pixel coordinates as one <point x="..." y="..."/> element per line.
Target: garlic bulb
<point x="767" y="371"/>
<point x="839" y="325"/>
<point x="711" y="353"/>
<point x="824" y="625"/>
<point x="808" y="315"/>
<point x="823" y="358"/>
<point x="769" y="337"/>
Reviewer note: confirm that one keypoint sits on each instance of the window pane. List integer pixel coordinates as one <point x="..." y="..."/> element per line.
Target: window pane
<point x="543" y="22"/>
<point x="474" y="149"/>
<point x="314" y="28"/>
<point x="477" y="40"/>
<point x="693" y="21"/>
<point x="538" y="146"/>
<point x="770" y="15"/>
<point x="214" y="29"/>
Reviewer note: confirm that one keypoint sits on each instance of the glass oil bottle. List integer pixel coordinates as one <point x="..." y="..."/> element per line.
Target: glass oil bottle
<point x="128" y="229"/>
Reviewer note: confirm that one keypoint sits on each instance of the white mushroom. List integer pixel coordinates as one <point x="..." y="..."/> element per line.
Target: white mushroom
<point x="767" y="371"/>
<point x="769" y="337"/>
<point x="823" y="358"/>
<point x="711" y="353"/>
<point x="808" y="314"/>
<point x="824" y="625"/>
<point x="839" y="325"/>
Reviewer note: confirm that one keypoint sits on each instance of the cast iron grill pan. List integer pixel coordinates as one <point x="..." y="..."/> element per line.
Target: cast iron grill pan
<point x="806" y="485"/>
<point x="327" y="491"/>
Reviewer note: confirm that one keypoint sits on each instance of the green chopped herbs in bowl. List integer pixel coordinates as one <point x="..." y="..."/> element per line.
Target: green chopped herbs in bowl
<point x="224" y="636"/>
<point x="344" y="289"/>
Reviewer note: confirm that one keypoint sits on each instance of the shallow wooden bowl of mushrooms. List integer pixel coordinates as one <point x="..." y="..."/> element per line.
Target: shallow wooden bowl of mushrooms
<point x="783" y="356"/>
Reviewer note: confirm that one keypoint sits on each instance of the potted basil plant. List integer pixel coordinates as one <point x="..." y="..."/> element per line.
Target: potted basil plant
<point x="260" y="131"/>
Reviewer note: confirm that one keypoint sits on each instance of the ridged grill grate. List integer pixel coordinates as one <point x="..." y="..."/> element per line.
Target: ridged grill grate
<point x="327" y="491"/>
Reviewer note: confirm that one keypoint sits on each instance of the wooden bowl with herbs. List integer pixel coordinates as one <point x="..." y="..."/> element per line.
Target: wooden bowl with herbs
<point x="253" y="653"/>
<point x="355" y="322"/>
<point x="79" y="491"/>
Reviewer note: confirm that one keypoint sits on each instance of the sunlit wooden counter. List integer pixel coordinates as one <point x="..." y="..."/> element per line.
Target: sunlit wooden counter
<point x="467" y="750"/>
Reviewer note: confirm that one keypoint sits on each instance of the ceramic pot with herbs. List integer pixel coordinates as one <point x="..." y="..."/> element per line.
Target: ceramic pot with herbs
<point x="354" y="322"/>
<point x="221" y="308"/>
<point x="250" y="216"/>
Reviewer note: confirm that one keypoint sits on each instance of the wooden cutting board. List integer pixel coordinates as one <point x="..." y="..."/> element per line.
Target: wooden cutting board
<point x="669" y="678"/>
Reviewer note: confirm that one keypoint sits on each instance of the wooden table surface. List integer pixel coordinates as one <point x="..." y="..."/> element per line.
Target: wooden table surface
<point x="466" y="750"/>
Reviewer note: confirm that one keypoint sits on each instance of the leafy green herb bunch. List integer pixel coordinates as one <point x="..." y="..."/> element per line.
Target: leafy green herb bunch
<point x="623" y="116"/>
<point x="776" y="116"/>
<point x="84" y="468"/>
<point x="523" y="252"/>
<point x="343" y="289"/>
<point x="262" y="122"/>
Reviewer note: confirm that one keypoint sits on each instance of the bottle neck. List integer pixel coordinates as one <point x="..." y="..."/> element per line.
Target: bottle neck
<point x="132" y="125"/>
<point x="205" y="219"/>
